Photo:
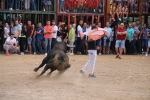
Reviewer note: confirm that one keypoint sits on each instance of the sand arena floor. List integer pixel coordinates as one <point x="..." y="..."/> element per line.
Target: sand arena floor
<point x="125" y="79"/>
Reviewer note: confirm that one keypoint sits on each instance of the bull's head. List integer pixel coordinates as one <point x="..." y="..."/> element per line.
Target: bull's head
<point x="62" y="45"/>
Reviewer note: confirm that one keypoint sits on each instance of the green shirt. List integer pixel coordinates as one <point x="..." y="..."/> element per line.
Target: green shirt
<point x="71" y="35"/>
<point x="130" y="32"/>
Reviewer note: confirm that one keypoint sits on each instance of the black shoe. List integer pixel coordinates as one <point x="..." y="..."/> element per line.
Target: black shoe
<point x="92" y="76"/>
<point x="81" y="72"/>
<point x="117" y="56"/>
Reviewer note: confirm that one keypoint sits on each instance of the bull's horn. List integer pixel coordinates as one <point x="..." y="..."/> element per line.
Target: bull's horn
<point x="70" y="46"/>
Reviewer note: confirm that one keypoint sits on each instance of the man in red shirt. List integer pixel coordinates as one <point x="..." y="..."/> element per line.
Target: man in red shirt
<point x="29" y="36"/>
<point x="120" y="40"/>
<point x="48" y="30"/>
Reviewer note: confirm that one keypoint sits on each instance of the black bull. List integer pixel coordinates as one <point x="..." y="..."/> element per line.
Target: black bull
<point x="56" y="59"/>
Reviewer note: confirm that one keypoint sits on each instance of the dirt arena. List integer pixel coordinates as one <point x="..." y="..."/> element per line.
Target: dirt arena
<point x="125" y="79"/>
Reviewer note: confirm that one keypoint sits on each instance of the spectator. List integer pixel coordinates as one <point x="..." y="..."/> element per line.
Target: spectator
<point x="119" y="11"/>
<point x="1" y="32"/>
<point x="71" y="38"/>
<point x="6" y="31"/>
<point x="65" y="33"/>
<point x="84" y="45"/>
<point x="54" y="33"/>
<point x="125" y="11"/>
<point x="61" y="2"/>
<point x="48" y="30"/>
<point x="106" y="38"/>
<point x="99" y="42"/>
<point x="17" y="30"/>
<point x="27" y="4"/>
<point x="120" y="40"/>
<point x="12" y="28"/>
<point x="59" y="32"/>
<point x="79" y="41"/>
<point x="22" y="38"/>
<point x="145" y="6"/>
<point x="10" y="4"/>
<point x="100" y="7"/>
<point x="33" y="5"/>
<point x="17" y="4"/>
<point x="39" y="37"/>
<point x="113" y="11"/>
<point x="124" y="2"/>
<point x="135" y="37"/>
<point x="10" y="45"/>
<point x="139" y="47"/>
<point x="34" y="40"/>
<point x="134" y="6"/>
<point x="130" y="32"/>
<point x="148" y="35"/>
<point x="88" y="28"/>
<point x="144" y="38"/>
<point x="29" y="36"/>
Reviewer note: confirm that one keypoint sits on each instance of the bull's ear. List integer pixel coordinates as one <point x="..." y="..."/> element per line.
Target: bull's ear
<point x="70" y="46"/>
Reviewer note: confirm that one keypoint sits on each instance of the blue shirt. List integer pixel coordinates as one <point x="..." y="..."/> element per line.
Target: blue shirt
<point x="109" y="30"/>
<point x="136" y="31"/>
<point x="40" y="36"/>
<point x="130" y="32"/>
<point x="144" y="36"/>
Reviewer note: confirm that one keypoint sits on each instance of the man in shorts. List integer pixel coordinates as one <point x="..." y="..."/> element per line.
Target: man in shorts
<point x="120" y="40"/>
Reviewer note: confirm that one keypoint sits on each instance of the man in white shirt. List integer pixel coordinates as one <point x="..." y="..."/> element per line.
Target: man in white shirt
<point x="10" y="45"/>
<point x="54" y="34"/>
<point x="79" y="41"/>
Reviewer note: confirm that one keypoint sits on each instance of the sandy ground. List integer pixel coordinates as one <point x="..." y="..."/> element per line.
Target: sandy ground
<point x="125" y="79"/>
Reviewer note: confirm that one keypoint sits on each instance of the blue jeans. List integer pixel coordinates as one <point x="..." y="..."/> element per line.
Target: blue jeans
<point x="144" y="44"/>
<point x="48" y="42"/>
<point x="120" y="44"/>
<point x="33" y="44"/>
<point x="134" y="6"/>
<point x="10" y="3"/>
<point x="134" y="41"/>
<point x="71" y="44"/>
<point x="33" y="3"/>
<point x="39" y="45"/>
<point x="79" y="44"/>
<point x="17" y="4"/>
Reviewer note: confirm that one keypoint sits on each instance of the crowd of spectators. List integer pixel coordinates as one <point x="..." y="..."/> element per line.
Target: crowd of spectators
<point x="121" y="8"/>
<point x="29" y="38"/>
<point x="33" y="5"/>
<point x="81" y="6"/>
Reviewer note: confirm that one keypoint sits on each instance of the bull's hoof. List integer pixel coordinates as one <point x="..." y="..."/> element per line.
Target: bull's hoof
<point x="36" y="69"/>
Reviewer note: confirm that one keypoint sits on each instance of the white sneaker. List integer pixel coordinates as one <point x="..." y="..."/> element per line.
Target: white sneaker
<point x="45" y="54"/>
<point x="22" y="53"/>
<point x="10" y="9"/>
<point x="34" y="53"/>
<point x="146" y="54"/>
<point x="71" y="53"/>
<point x="68" y="53"/>
<point x="99" y="54"/>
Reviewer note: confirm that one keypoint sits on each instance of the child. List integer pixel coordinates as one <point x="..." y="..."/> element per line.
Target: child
<point x="119" y="11"/>
<point x="113" y="11"/>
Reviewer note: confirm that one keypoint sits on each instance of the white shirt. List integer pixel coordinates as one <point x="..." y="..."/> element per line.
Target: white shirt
<point x="12" y="41"/>
<point x="54" y="35"/>
<point x="79" y="28"/>
<point x="87" y="30"/>
<point x="7" y="31"/>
